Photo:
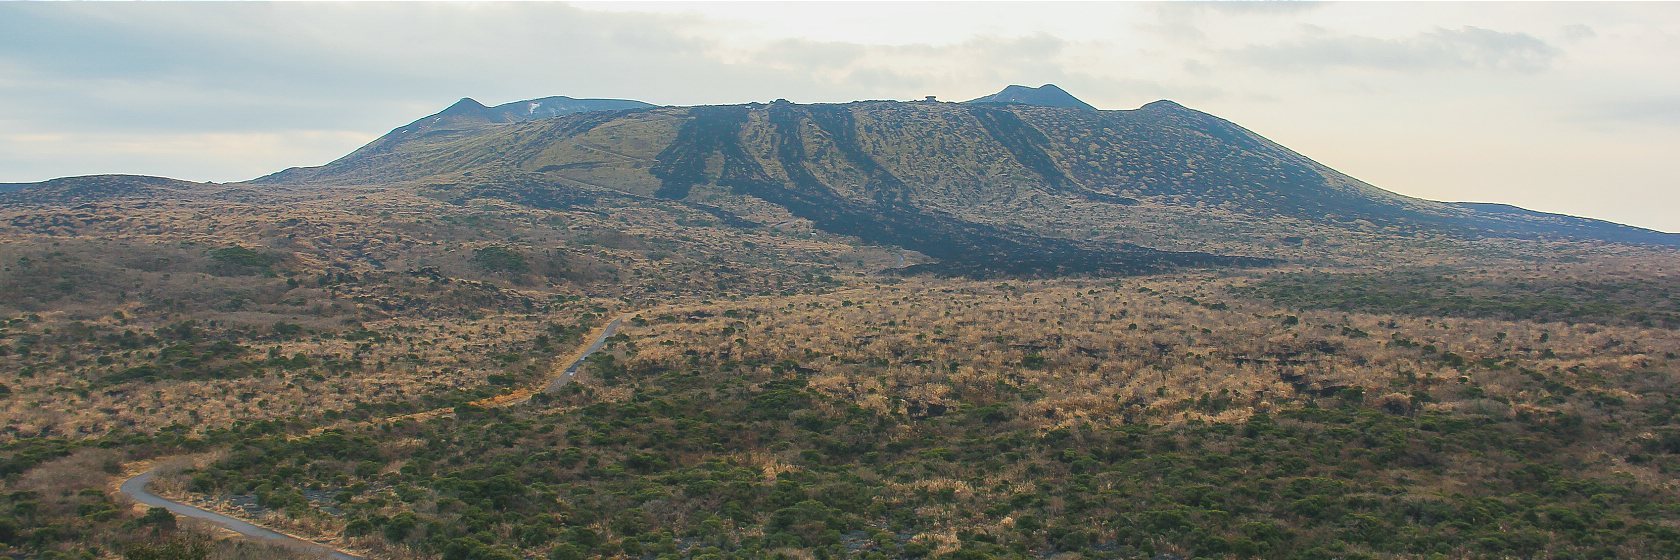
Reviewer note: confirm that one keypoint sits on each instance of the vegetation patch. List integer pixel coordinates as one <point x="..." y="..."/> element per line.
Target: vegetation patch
<point x="236" y="260"/>
<point x="500" y="259"/>
<point x="1644" y="301"/>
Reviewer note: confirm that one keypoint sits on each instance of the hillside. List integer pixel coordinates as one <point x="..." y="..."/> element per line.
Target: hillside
<point x="70" y="190"/>
<point x="1062" y="181"/>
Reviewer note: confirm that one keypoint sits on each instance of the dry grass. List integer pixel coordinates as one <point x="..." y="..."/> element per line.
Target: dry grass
<point x="344" y="264"/>
<point x="1167" y="349"/>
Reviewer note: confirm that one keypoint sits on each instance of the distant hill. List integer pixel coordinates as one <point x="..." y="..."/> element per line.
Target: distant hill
<point x="468" y="110"/>
<point x="1047" y="95"/>
<point x="72" y="190"/>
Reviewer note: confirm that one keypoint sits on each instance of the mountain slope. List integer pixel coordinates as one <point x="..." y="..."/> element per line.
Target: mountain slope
<point x="469" y="110"/>
<point x="463" y="118"/>
<point x="1161" y="174"/>
<point x="1047" y="95"/>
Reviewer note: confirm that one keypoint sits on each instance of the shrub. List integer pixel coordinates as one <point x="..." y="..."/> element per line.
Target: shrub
<point x="236" y="260"/>
<point x="500" y="259"/>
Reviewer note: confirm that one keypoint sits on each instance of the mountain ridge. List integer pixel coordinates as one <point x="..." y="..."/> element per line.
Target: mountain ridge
<point x="1047" y="95"/>
<point x="1000" y="186"/>
<point x="1162" y="153"/>
<point x="467" y="114"/>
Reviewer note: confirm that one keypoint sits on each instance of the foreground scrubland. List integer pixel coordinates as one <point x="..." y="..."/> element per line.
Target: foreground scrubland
<point x="779" y="391"/>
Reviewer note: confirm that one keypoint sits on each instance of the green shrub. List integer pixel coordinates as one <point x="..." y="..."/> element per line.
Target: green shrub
<point x="236" y="260"/>
<point x="500" y="259"/>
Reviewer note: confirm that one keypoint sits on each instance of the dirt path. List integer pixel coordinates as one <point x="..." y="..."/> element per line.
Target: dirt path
<point x="561" y="376"/>
<point x="136" y="487"/>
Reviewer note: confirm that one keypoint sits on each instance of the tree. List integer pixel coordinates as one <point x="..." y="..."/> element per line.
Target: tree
<point x="567" y="551"/>
<point x="159" y="518"/>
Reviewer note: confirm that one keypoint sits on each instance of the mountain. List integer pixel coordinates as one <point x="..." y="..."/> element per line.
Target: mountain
<point x="980" y="185"/>
<point x="470" y="110"/>
<point x="1047" y="95"/>
<point x="469" y="115"/>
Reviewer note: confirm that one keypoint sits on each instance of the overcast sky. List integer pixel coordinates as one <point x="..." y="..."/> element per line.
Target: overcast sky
<point x="1569" y="108"/>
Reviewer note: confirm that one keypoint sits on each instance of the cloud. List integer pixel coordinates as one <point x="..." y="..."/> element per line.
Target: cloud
<point x="1578" y="31"/>
<point x="908" y="71"/>
<point x="1261" y="8"/>
<point x="1658" y="111"/>
<point x="1186" y="22"/>
<point x="1464" y="48"/>
<point x="177" y="67"/>
<point x="795" y="53"/>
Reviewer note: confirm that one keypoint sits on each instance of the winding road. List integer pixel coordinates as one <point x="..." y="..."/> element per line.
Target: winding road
<point x="572" y="369"/>
<point x="136" y="488"/>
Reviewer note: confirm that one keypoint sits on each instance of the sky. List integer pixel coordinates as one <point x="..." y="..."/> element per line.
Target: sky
<point x="1559" y="107"/>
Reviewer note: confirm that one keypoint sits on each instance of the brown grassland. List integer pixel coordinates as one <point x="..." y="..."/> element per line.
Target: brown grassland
<point x="240" y="324"/>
